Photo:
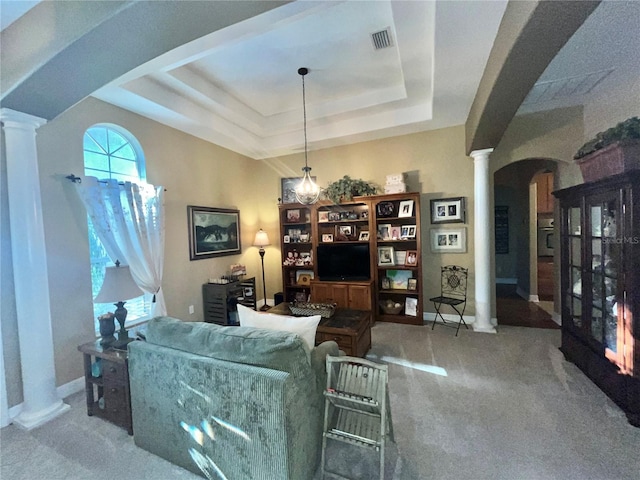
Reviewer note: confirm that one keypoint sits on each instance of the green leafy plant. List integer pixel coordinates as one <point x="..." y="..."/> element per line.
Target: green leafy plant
<point x="627" y="130"/>
<point x="346" y="188"/>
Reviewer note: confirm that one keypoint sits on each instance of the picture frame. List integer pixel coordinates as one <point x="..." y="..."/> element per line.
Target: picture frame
<point x="400" y="256"/>
<point x="396" y="232"/>
<point x="386" y="283"/>
<point x="448" y="210"/>
<point x="334" y="216"/>
<point x="412" y="284"/>
<point x="288" y="186"/>
<point x="449" y="240"/>
<point x="213" y="232"/>
<point x="384" y="231"/>
<point x="364" y="236"/>
<point x="405" y="209"/>
<point x="386" y="257"/>
<point x="304" y="277"/>
<point x="344" y="231"/>
<point x="323" y="216"/>
<point x="293" y="215"/>
<point x="399" y="278"/>
<point x="286" y="239"/>
<point x="411" y="260"/>
<point x="327" y="237"/>
<point x="408" y="232"/>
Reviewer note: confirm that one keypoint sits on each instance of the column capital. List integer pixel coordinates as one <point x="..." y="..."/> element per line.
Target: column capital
<point x="484" y="153"/>
<point x="20" y="118"/>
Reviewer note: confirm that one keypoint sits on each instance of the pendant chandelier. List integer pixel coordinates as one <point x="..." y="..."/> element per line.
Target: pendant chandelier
<point x="307" y="192"/>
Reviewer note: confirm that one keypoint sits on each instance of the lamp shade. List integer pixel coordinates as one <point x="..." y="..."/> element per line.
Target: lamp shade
<point x="118" y="285"/>
<point x="262" y="239"/>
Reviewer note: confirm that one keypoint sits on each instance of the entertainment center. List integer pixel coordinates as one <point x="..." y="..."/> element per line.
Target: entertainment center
<point x="363" y="255"/>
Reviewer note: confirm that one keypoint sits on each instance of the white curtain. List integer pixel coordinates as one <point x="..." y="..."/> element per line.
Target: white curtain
<point x="129" y="220"/>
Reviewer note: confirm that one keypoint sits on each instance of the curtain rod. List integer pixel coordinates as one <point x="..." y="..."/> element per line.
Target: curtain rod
<point x="75" y="179"/>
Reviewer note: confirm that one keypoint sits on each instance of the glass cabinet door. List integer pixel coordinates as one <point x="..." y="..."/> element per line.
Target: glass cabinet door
<point x="604" y="256"/>
<point x="573" y="242"/>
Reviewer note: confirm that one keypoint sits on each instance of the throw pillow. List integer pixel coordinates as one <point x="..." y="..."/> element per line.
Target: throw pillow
<point x="303" y="326"/>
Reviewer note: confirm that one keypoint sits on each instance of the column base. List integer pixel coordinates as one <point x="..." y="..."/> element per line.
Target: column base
<point x="483" y="328"/>
<point x="29" y="421"/>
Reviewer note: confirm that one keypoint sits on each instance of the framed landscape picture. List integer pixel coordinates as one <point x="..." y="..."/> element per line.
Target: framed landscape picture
<point x="288" y="186"/>
<point x="447" y="210"/>
<point x="213" y="232"/>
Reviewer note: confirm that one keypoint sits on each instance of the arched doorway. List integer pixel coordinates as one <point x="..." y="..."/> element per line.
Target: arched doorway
<point x="524" y="270"/>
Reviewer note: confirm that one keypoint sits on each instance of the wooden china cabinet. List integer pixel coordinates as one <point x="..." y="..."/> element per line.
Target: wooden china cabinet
<point x="600" y="285"/>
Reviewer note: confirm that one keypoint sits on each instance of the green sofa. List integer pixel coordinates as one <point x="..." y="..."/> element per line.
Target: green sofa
<point x="240" y="401"/>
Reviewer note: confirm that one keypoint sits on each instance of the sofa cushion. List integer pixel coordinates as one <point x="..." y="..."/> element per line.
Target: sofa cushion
<point x="303" y="326"/>
<point x="263" y="348"/>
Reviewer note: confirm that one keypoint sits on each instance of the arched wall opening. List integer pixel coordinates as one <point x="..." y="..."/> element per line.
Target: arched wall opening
<point x="524" y="202"/>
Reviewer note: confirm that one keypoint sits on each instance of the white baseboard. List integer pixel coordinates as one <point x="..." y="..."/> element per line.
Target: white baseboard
<point x="63" y="391"/>
<point x="526" y="296"/>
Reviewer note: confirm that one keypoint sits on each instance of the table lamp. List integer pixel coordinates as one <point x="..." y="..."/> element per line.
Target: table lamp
<point x="117" y="287"/>
<point x="262" y="240"/>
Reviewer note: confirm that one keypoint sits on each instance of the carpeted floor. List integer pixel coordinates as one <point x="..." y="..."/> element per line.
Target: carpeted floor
<point x="476" y="406"/>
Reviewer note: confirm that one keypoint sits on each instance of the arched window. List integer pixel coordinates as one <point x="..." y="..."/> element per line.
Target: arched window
<point x="112" y="152"/>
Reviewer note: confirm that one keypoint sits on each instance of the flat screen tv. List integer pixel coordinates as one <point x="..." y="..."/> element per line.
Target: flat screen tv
<point x="349" y="261"/>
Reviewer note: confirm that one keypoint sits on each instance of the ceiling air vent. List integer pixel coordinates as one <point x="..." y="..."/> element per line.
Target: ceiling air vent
<point x="381" y="39"/>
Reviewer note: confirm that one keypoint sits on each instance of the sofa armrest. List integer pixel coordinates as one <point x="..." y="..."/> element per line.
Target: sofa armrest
<point x="319" y="363"/>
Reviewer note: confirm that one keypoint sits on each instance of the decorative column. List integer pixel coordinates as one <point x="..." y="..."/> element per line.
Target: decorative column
<point x="482" y="241"/>
<point x="41" y="402"/>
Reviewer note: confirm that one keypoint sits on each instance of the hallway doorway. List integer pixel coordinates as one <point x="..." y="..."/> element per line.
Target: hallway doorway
<point x="513" y="310"/>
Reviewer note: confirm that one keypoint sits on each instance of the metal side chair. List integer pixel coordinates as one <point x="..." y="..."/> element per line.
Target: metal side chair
<point x="453" y="292"/>
<point x="356" y="406"/>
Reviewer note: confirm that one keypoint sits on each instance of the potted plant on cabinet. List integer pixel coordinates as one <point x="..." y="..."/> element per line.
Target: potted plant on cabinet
<point x="346" y="188"/>
<point x="613" y="151"/>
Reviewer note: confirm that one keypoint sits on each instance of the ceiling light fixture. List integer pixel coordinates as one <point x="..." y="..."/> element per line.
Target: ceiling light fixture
<point x="307" y="192"/>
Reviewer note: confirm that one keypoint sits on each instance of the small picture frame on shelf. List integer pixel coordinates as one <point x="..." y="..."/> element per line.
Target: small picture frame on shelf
<point x="364" y="215"/>
<point x="323" y="216"/>
<point x="293" y="216"/>
<point x="447" y="210"/>
<point x="364" y="236"/>
<point x="411" y="260"/>
<point x="412" y="284"/>
<point x="327" y="237"/>
<point x="344" y="232"/>
<point x="401" y="256"/>
<point x="406" y="208"/>
<point x="385" y="256"/>
<point x="396" y="232"/>
<point x="304" y="277"/>
<point x="334" y="216"/>
<point x="286" y="239"/>
<point x="384" y="231"/>
<point x="385" y="209"/>
<point x="304" y="237"/>
<point x="407" y="232"/>
<point x="386" y="283"/>
<point x="301" y="297"/>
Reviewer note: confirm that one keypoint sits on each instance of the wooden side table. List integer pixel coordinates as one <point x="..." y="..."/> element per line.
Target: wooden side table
<point x="106" y="376"/>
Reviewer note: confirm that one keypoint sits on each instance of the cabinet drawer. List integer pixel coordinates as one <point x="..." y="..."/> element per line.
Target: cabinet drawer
<point x="113" y="373"/>
<point x="345" y="342"/>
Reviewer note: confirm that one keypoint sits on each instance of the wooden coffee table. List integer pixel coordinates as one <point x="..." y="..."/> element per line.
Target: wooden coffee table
<point x="350" y="329"/>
